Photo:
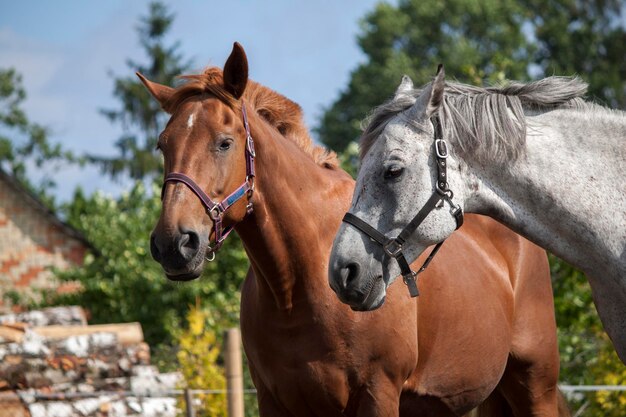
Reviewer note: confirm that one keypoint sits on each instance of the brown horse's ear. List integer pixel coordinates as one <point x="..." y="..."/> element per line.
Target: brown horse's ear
<point x="161" y="93"/>
<point x="236" y="71"/>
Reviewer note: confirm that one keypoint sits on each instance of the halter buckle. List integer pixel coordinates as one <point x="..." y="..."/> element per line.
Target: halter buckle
<point x="392" y="248"/>
<point x="441" y="148"/>
<point x="250" y="146"/>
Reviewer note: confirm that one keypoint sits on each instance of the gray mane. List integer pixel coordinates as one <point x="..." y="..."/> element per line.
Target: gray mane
<point x="487" y="122"/>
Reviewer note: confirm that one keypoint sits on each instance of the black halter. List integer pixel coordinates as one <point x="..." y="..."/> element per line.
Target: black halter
<point x="393" y="246"/>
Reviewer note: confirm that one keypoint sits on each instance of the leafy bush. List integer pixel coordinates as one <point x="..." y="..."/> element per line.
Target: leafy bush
<point x="198" y="356"/>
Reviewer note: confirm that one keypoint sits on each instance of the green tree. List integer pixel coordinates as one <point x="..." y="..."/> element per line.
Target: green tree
<point x="480" y="41"/>
<point x="475" y="40"/>
<point x="23" y="143"/>
<point x="586" y="38"/>
<point x="140" y="115"/>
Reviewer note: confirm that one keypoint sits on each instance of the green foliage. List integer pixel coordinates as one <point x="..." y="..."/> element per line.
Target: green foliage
<point x="198" y="356"/>
<point x="120" y="281"/>
<point x="140" y="115"/>
<point x="587" y="355"/>
<point x="480" y="41"/>
<point x="475" y="40"/>
<point x="24" y="143"/>
<point x="586" y="38"/>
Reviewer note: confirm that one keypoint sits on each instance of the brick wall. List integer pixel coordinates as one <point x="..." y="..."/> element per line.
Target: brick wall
<point x="32" y="241"/>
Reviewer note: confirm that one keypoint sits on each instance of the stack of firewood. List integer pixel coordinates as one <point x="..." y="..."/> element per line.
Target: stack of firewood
<point x="52" y="363"/>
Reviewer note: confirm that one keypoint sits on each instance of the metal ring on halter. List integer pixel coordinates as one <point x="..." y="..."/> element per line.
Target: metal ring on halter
<point x="412" y="276"/>
<point x="211" y="257"/>
<point x="214" y="212"/>
<point x="444" y="191"/>
<point x="250" y="180"/>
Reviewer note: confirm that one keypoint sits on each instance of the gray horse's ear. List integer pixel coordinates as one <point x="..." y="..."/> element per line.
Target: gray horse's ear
<point x="236" y="71"/>
<point x="430" y="99"/>
<point x="436" y="96"/>
<point x="405" y="87"/>
<point x="160" y="92"/>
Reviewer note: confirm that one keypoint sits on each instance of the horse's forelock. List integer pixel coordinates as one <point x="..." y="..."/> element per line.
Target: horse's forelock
<point x="283" y="114"/>
<point x="209" y="82"/>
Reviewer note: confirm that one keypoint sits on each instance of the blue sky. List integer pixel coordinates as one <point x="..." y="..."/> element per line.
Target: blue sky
<point x="66" y="51"/>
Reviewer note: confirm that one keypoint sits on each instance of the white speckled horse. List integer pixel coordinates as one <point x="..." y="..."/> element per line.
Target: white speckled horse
<point x="535" y="157"/>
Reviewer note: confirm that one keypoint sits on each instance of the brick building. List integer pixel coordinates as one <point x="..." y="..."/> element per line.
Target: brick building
<point x="32" y="241"/>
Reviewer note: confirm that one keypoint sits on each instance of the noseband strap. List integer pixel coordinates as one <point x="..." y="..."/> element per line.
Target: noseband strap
<point x="216" y="210"/>
<point x="392" y="247"/>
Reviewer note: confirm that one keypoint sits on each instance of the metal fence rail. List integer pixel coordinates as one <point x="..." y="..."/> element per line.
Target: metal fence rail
<point x="580" y="388"/>
<point x="37" y="395"/>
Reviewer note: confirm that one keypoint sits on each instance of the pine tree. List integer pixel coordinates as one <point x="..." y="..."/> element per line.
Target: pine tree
<point x="140" y="115"/>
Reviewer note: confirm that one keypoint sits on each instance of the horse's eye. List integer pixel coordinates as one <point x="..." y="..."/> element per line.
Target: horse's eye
<point x="225" y="145"/>
<point x="393" y="171"/>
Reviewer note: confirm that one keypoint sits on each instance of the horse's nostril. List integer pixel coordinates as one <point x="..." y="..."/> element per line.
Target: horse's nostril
<point x="348" y="274"/>
<point x="188" y="244"/>
<point x="352" y="272"/>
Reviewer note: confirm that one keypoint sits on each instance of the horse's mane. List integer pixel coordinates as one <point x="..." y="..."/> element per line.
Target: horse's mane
<point x="276" y="109"/>
<point x="487" y="122"/>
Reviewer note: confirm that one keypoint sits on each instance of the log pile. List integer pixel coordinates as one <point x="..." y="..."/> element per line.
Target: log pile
<point x="52" y="363"/>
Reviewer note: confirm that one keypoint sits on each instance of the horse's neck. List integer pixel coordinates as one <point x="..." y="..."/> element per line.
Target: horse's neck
<point x="297" y="211"/>
<point x="567" y="193"/>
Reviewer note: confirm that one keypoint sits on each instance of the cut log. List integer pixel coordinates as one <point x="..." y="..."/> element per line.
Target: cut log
<point x="127" y="333"/>
<point x="10" y="334"/>
<point x="65" y="316"/>
<point x="11" y="405"/>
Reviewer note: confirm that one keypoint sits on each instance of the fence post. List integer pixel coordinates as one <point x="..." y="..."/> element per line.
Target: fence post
<point x="234" y="372"/>
<point x="189" y="410"/>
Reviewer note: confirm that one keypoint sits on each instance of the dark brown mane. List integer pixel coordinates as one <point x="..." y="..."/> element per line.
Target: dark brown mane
<point x="280" y="112"/>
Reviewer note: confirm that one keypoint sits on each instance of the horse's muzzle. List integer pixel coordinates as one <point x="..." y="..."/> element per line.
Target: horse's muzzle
<point x="180" y="255"/>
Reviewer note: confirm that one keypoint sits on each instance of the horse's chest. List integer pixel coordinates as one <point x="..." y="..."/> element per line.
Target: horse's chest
<point x="301" y="377"/>
<point x="309" y="367"/>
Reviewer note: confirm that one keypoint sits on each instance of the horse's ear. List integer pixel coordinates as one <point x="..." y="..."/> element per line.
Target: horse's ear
<point x="161" y="93"/>
<point x="430" y="99"/>
<point x="236" y="71"/>
<point x="436" y="96"/>
<point x="405" y="87"/>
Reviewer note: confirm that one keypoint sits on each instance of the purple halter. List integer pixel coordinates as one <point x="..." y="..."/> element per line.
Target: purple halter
<point x="216" y="210"/>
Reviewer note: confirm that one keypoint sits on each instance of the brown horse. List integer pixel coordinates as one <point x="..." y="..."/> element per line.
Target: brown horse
<point x="483" y="327"/>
